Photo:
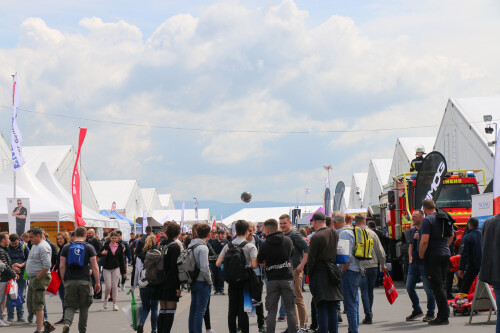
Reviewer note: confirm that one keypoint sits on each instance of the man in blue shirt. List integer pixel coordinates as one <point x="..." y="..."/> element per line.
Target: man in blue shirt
<point x="18" y="252"/>
<point x="470" y="260"/>
<point x="435" y="252"/>
<point x="416" y="271"/>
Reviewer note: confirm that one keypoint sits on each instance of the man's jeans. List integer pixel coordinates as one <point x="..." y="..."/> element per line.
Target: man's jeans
<point x="350" y="286"/>
<point x="496" y="289"/>
<point x="21" y="283"/>
<point x="218" y="278"/>
<point x="200" y="294"/>
<point x="436" y="268"/>
<point x="416" y="271"/>
<point x="275" y="289"/>
<point x="236" y="309"/>
<point x="326" y="313"/>
<point x="149" y="304"/>
<point x="79" y="295"/>
<point x="367" y="284"/>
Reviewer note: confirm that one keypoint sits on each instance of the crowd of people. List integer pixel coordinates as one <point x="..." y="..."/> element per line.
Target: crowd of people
<point x="272" y="254"/>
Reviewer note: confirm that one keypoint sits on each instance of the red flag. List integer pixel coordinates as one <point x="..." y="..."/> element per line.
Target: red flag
<point x="214" y="224"/>
<point x="75" y="183"/>
<point x="496" y="179"/>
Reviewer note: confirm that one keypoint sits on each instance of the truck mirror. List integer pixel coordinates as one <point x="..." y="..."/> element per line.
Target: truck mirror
<point x="391" y="197"/>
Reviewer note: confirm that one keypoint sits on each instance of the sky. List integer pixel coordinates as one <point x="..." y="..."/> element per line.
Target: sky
<point x="205" y="98"/>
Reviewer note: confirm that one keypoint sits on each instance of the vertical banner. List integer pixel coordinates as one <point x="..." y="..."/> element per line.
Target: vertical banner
<point x="19" y="215"/>
<point x="214" y="223"/>
<point x="496" y="179"/>
<point x="195" y="208"/>
<point x="182" y="214"/>
<point x="144" y="221"/>
<point x="16" y="138"/>
<point x="75" y="183"/>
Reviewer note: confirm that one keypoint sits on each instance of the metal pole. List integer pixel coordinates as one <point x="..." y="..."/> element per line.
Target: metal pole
<point x="13" y="167"/>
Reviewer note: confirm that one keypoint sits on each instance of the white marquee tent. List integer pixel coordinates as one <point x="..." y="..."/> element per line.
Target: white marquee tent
<point x="462" y="138"/>
<point x="151" y="200"/>
<point x="357" y="190"/>
<point x="125" y="193"/>
<point x="259" y="215"/>
<point x="166" y="201"/>
<point x="378" y="176"/>
<point x="162" y="215"/>
<point x="404" y="153"/>
<point x="60" y="162"/>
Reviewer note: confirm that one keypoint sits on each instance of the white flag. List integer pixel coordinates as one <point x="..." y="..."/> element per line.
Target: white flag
<point x="182" y="211"/>
<point x="144" y="221"/>
<point x="16" y="138"/>
<point x="196" y="208"/>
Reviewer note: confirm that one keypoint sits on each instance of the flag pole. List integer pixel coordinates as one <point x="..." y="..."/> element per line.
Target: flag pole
<point x="13" y="168"/>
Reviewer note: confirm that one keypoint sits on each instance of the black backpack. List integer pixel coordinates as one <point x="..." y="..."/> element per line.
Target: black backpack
<point x="234" y="263"/>
<point x="447" y="222"/>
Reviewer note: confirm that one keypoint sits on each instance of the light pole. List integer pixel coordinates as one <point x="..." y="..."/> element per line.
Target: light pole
<point x="489" y="130"/>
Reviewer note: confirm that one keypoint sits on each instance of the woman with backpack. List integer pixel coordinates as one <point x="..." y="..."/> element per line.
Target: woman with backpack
<point x="62" y="239"/>
<point x="112" y="258"/>
<point x="146" y="291"/>
<point x="168" y="293"/>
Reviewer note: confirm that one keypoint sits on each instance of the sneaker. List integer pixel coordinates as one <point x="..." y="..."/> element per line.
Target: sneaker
<point x="414" y="315"/>
<point x="428" y="318"/>
<point x="280" y="318"/>
<point x="262" y="329"/>
<point x="339" y="317"/>
<point x="367" y="321"/>
<point x="8" y="321"/>
<point x="215" y="293"/>
<point x="48" y="327"/>
<point x="60" y="322"/>
<point x="140" y="328"/>
<point x="65" y="328"/>
<point x="115" y="307"/>
<point x="3" y="323"/>
<point x="105" y="305"/>
<point x="222" y="293"/>
<point x="438" y="321"/>
<point x="211" y="331"/>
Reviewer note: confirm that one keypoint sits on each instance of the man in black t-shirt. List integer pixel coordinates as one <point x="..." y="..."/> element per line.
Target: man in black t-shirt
<point x="20" y="213"/>
<point x="77" y="281"/>
<point x="435" y="251"/>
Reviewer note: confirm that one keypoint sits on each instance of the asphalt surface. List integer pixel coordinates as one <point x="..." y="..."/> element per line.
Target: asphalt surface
<point x="387" y="318"/>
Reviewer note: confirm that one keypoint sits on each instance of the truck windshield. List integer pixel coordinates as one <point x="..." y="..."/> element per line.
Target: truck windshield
<point x="456" y="195"/>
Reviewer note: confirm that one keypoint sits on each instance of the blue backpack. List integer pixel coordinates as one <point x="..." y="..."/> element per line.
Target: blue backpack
<point x="76" y="255"/>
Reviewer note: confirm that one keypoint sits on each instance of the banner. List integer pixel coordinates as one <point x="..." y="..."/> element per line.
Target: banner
<point x="182" y="214"/>
<point x="214" y="223"/>
<point x="144" y="221"/>
<point x="16" y="140"/>
<point x="430" y="178"/>
<point x="19" y="216"/>
<point x="195" y="208"/>
<point x="482" y="207"/>
<point x="339" y="194"/>
<point x="327" y="201"/>
<point x="75" y="183"/>
<point x="496" y="179"/>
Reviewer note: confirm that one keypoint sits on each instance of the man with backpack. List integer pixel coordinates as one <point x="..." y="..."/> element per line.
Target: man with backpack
<point x="202" y="284"/>
<point x="299" y="260"/>
<point x="76" y="261"/>
<point x="276" y="255"/>
<point x="370" y="268"/>
<point x="435" y="252"/>
<point x="237" y="256"/>
<point x="218" y="244"/>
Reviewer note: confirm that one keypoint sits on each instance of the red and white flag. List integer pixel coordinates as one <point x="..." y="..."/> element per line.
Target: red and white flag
<point x="214" y="223"/>
<point x="75" y="183"/>
<point x="496" y="179"/>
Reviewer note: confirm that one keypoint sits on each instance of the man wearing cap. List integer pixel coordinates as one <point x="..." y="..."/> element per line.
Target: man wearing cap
<point x="416" y="163"/>
<point x="326" y="293"/>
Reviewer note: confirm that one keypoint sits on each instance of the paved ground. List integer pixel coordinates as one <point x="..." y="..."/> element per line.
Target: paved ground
<point x="387" y="318"/>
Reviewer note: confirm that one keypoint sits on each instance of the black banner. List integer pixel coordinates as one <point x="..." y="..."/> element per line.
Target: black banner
<point x="430" y="178"/>
<point x="327" y="201"/>
<point x="339" y="194"/>
<point x="295" y="215"/>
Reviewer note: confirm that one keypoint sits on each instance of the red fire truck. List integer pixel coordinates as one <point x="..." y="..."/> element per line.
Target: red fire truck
<point x="397" y="205"/>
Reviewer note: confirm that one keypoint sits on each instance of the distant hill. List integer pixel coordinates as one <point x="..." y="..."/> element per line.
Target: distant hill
<point x="225" y="209"/>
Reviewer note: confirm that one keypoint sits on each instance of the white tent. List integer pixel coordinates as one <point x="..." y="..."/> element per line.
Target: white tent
<point x="404" y="153"/>
<point x="60" y="162"/>
<point x="357" y="190"/>
<point x="40" y="210"/>
<point x="162" y="215"/>
<point x="91" y="218"/>
<point x="378" y="176"/>
<point x="5" y="153"/>
<point x="259" y="215"/>
<point x="166" y="201"/>
<point x="125" y="193"/>
<point x="151" y="200"/>
<point x="462" y="138"/>
<point x="345" y="199"/>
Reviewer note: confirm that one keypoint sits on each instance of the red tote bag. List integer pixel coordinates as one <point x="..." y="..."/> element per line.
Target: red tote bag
<point x="390" y="290"/>
<point x="54" y="284"/>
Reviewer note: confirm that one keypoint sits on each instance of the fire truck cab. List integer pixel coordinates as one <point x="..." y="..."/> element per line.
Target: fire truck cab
<point x="397" y="205"/>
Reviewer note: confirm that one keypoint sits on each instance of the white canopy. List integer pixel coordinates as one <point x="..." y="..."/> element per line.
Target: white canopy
<point x="125" y="193"/>
<point x="166" y="201"/>
<point x="259" y="215"/>
<point x="378" y="176"/>
<point x="162" y="215"/>
<point x="357" y="190"/>
<point x="404" y="153"/>
<point x="151" y="200"/>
